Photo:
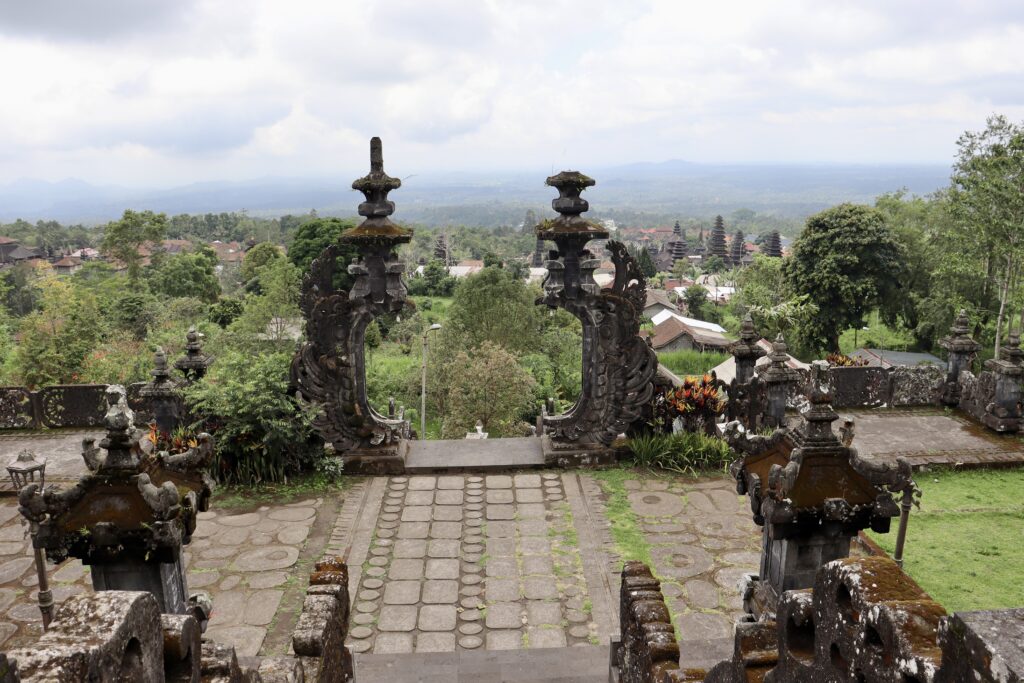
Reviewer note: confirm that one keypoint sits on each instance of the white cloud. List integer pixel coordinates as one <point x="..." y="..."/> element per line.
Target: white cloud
<point x="217" y="89"/>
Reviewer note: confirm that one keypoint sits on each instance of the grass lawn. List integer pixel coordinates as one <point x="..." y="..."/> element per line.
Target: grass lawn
<point x="965" y="546"/>
<point x="876" y="336"/>
<point x="690" y="362"/>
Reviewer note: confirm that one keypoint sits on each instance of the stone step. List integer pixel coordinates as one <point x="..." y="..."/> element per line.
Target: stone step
<point x="587" y="664"/>
<point x="473" y="455"/>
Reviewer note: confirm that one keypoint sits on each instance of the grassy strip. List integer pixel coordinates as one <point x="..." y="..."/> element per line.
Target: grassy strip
<point x="238" y="497"/>
<point x="625" y="527"/>
<point x="965" y="546"/>
<point x="690" y="362"/>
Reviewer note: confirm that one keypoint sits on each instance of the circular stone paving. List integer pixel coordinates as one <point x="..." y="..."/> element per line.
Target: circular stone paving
<point x="682" y="561"/>
<point x="655" y="503"/>
<point x="292" y="514"/>
<point x="266" y="558"/>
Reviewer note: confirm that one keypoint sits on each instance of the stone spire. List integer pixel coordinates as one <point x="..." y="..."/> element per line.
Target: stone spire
<point x="677" y="230"/>
<point x="376" y="208"/>
<point x="194" y="364"/>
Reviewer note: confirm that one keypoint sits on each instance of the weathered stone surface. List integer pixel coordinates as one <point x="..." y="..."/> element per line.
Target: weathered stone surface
<point x="112" y="635"/>
<point x="402" y="593"/>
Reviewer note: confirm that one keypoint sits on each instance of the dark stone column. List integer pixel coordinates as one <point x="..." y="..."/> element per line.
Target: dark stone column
<point x="746" y="351"/>
<point x="780" y="379"/>
<point x="962" y="350"/>
<point x="163" y="396"/>
<point x="1004" y="415"/>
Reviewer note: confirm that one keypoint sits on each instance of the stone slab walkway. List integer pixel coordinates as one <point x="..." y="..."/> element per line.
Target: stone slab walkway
<point x="701" y="540"/>
<point x="254" y="564"/>
<point x="469" y="562"/>
<point x="62" y="449"/>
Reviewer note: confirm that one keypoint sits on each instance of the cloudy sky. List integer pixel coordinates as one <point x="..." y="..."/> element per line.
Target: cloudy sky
<point x="137" y="92"/>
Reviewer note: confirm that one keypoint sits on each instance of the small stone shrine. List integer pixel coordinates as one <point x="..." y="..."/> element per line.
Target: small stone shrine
<point x="130" y="516"/>
<point x="811" y="494"/>
<point x="618" y="365"/>
<point x="962" y="350"/>
<point x="194" y="364"/>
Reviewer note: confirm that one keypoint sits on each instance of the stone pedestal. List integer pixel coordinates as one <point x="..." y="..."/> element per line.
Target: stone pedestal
<point x="557" y="454"/>
<point x="165" y="580"/>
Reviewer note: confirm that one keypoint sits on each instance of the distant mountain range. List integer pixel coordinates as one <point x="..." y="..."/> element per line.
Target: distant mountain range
<point x="493" y="198"/>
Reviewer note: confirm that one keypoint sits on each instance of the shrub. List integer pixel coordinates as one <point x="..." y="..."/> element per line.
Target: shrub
<point x="262" y="433"/>
<point x="684" y="452"/>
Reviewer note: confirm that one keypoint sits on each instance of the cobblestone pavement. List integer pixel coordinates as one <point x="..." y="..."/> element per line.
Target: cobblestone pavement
<point x="254" y="565"/>
<point x="472" y="562"/>
<point x="702" y="540"/>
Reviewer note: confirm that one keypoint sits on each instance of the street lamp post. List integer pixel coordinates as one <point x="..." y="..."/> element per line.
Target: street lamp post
<point x="23" y="471"/>
<point x="423" y="382"/>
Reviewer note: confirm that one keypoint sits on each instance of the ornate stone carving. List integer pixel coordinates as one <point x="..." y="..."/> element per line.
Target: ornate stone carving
<point x="330" y="370"/>
<point x="129" y="517"/>
<point x="810" y="493"/>
<point x="618" y="365"/>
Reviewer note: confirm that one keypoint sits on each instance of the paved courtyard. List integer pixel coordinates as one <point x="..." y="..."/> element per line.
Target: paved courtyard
<point x="440" y="563"/>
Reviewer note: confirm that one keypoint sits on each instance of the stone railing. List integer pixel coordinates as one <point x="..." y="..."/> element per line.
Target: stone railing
<point x="122" y="636"/>
<point x="864" y="620"/>
<point x="64" y="405"/>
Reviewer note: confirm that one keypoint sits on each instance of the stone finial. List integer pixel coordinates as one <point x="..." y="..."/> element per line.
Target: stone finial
<point x="819" y="415"/>
<point x="962" y="324"/>
<point x="120" y="442"/>
<point x="194" y="363"/>
<point x="375" y="186"/>
<point x="160" y="372"/>
<point x="569" y="205"/>
<point x="1011" y="351"/>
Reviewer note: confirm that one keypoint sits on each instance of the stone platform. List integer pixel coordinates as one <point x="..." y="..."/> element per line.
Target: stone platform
<point x="473" y="455"/>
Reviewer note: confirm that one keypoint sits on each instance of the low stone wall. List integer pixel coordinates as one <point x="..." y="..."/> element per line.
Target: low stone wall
<point x="113" y="636"/>
<point x="64" y="405"/>
<point x="864" y="620"/>
<point x="871" y="387"/>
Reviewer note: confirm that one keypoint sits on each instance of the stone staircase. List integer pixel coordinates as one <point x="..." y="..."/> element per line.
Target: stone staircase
<point x="587" y="664"/>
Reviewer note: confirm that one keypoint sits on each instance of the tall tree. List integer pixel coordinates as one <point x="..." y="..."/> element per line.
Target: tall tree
<point x="487" y="385"/>
<point x="987" y="199"/>
<point x="847" y="262"/>
<point x="496" y="307"/>
<point x="122" y="239"/>
<point x="316" y="235"/>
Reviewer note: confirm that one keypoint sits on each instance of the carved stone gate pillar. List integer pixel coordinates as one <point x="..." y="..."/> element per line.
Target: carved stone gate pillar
<point x="330" y="369"/>
<point x="618" y="365"/>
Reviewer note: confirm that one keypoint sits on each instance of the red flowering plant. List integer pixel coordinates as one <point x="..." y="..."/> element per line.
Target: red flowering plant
<point x="698" y="403"/>
<point x="181" y="440"/>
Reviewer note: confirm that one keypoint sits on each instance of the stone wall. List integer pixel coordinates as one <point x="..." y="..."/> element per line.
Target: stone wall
<point x="865" y="620"/>
<point x="871" y="387"/>
<point x="116" y="636"/>
<point x="63" y="405"/>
